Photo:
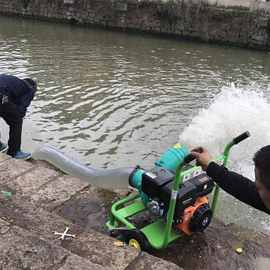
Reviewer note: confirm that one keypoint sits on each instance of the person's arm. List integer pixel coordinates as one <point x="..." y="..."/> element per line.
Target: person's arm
<point x="237" y="185"/>
<point x="25" y="101"/>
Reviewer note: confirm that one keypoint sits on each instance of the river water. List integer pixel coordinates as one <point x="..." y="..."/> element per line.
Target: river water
<point x="113" y="99"/>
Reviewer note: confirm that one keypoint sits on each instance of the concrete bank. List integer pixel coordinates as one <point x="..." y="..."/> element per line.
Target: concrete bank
<point x="37" y="200"/>
<point x="33" y="196"/>
<point x="244" y="23"/>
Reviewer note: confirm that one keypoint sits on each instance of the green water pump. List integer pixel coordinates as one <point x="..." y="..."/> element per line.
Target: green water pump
<point x="174" y="197"/>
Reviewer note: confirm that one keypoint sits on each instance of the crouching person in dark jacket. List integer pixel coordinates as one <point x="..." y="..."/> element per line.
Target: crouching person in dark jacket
<point x="15" y="96"/>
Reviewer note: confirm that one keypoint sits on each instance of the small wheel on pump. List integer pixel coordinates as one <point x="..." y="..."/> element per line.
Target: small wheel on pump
<point x="136" y="239"/>
<point x="135" y="244"/>
<point x="132" y="237"/>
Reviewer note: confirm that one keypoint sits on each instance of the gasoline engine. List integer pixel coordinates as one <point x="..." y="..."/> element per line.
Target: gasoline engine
<point x="192" y="211"/>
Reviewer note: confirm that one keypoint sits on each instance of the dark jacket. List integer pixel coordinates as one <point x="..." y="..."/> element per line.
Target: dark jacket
<point x="237" y="185"/>
<point x="18" y="91"/>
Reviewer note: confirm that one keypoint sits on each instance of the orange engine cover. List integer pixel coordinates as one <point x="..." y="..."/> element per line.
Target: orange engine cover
<point x="188" y="214"/>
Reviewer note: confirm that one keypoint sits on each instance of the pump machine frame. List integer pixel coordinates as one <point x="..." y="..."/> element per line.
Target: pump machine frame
<point x="159" y="233"/>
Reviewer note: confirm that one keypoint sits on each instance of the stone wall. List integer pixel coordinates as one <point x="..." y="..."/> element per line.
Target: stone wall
<point x="243" y="23"/>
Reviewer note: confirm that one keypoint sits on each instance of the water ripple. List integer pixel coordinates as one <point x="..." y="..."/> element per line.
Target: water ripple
<point x="112" y="97"/>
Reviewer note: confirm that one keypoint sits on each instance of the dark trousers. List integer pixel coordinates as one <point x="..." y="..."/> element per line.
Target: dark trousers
<point x="10" y="113"/>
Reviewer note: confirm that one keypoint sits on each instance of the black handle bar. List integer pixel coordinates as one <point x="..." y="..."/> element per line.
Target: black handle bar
<point x="241" y="137"/>
<point x="189" y="158"/>
<point x="236" y="140"/>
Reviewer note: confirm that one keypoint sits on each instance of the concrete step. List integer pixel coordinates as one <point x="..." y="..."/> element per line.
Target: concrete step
<point x="40" y="200"/>
<point x="39" y="225"/>
<point x="32" y="195"/>
<point x="21" y="249"/>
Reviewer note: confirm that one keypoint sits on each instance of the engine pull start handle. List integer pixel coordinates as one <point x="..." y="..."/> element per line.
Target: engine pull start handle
<point x="241" y="137"/>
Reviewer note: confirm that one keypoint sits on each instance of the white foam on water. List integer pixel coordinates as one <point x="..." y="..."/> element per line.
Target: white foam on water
<point x="233" y="111"/>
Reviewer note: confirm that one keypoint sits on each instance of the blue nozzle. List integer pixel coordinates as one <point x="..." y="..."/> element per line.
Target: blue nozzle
<point x="136" y="179"/>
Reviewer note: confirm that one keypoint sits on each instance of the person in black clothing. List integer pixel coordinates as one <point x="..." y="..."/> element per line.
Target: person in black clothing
<point x="15" y="96"/>
<point x="256" y="194"/>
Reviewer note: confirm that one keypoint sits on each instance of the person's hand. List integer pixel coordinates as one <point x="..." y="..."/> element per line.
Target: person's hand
<point x="202" y="156"/>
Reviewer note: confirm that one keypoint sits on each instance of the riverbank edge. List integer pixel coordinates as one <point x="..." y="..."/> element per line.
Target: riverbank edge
<point x="37" y="200"/>
<point x="242" y="23"/>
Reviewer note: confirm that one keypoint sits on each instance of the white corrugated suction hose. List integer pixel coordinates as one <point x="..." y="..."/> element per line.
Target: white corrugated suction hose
<point x="105" y="178"/>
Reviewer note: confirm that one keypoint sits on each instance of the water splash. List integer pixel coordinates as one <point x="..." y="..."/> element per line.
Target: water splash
<point x="233" y="111"/>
